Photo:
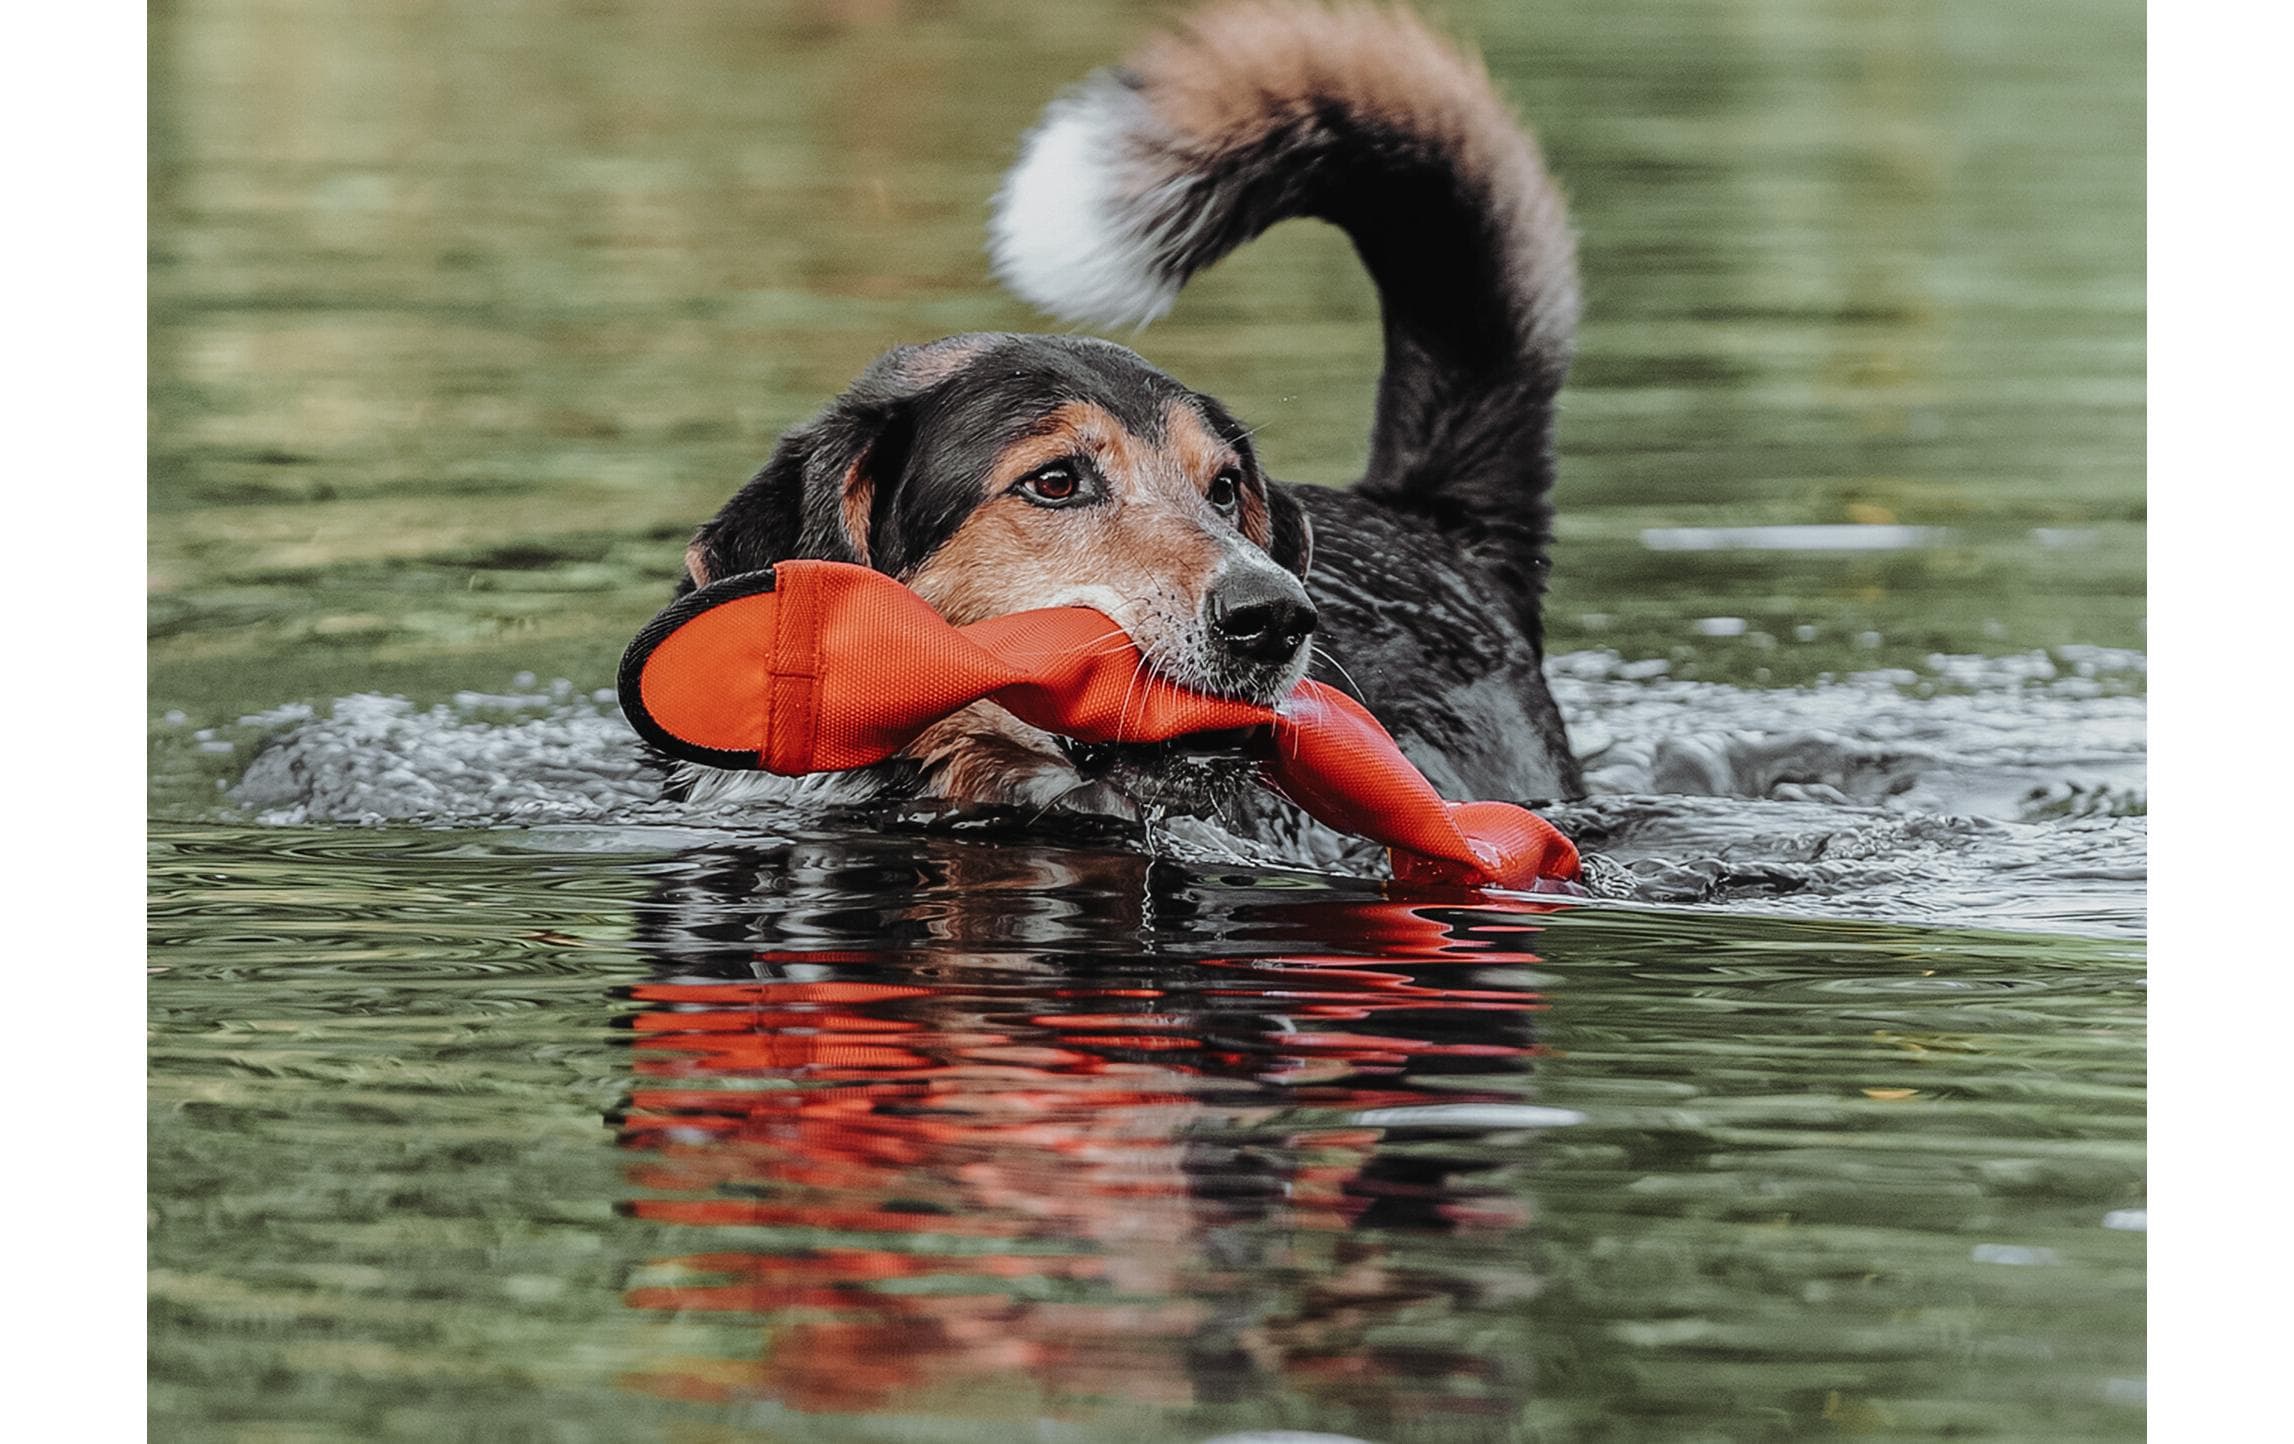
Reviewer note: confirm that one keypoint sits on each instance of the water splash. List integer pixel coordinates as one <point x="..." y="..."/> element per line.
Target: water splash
<point x="1994" y="791"/>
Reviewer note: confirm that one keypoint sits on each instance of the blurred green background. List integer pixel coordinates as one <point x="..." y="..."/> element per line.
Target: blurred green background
<point x="464" y="314"/>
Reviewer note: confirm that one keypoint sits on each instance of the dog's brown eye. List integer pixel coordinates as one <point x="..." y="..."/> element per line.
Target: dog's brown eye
<point x="1052" y="485"/>
<point x="1226" y="490"/>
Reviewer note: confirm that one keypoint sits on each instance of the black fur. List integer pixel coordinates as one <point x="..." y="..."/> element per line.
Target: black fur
<point x="1417" y="630"/>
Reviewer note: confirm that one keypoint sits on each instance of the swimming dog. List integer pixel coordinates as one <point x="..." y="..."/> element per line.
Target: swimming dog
<point x="994" y="473"/>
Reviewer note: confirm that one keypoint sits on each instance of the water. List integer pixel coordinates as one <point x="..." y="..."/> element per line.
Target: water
<point x="580" y="1132"/>
<point x="491" y="1097"/>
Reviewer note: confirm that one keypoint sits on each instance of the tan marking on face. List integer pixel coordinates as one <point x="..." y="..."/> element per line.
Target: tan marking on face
<point x="858" y="508"/>
<point x="1202" y="454"/>
<point x="1149" y="548"/>
<point x="1147" y="556"/>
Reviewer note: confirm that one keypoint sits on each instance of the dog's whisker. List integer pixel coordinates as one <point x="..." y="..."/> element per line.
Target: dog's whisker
<point x="1154" y="780"/>
<point x="1324" y="653"/>
<point x="1123" y="714"/>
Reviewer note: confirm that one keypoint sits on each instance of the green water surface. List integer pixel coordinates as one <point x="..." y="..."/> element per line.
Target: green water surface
<point x="463" y="314"/>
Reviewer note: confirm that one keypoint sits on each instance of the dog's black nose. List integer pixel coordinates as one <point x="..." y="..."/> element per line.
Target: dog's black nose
<point x="1261" y="617"/>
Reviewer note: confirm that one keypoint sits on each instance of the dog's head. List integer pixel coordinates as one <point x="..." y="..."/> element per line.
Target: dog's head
<point x="1000" y="473"/>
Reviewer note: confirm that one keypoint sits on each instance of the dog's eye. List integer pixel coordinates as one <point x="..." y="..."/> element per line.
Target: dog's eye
<point x="1055" y="485"/>
<point x="1226" y="490"/>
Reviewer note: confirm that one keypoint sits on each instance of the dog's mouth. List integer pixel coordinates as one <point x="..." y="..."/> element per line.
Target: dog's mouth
<point x="1191" y="773"/>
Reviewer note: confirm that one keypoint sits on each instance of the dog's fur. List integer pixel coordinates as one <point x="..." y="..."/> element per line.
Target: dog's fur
<point x="995" y="473"/>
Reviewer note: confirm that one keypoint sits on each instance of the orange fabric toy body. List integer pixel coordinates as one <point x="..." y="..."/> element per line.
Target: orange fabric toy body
<point x="820" y="666"/>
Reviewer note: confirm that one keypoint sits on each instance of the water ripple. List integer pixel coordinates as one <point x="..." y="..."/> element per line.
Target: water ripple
<point x="834" y="1121"/>
<point x="1987" y="791"/>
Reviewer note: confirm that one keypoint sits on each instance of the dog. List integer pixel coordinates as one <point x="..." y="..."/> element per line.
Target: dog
<point x="994" y="473"/>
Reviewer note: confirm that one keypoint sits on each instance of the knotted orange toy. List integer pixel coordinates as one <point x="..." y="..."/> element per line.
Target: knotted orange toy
<point x="817" y="666"/>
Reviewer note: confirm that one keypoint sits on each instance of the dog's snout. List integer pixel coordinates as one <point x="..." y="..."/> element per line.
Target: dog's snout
<point x="1261" y="617"/>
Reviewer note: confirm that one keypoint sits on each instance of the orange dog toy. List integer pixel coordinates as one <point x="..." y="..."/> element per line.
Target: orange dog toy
<point x="817" y="666"/>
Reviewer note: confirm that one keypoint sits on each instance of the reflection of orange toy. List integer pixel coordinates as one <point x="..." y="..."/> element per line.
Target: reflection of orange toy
<point x="820" y="666"/>
<point x="981" y="1176"/>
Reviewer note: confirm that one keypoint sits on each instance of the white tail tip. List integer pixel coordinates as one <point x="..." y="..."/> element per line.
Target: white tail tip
<point x="1074" y="226"/>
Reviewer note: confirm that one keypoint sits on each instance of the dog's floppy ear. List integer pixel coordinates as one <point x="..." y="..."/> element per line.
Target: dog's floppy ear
<point x="815" y="497"/>
<point x="818" y="495"/>
<point x="1290" y="539"/>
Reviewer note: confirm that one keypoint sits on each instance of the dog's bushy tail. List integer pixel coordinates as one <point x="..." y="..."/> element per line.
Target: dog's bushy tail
<point x="1258" y="112"/>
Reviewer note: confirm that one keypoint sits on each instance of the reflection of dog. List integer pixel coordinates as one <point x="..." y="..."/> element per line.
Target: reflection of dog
<point x="996" y="473"/>
<point x="960" y="1142"/>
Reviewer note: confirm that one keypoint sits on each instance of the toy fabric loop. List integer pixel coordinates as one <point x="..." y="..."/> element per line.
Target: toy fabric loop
<point x="817" y="666"/>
